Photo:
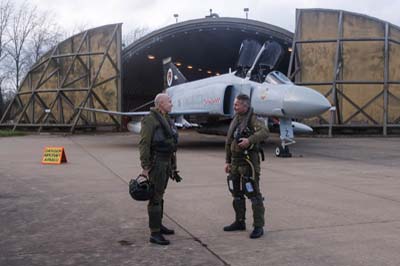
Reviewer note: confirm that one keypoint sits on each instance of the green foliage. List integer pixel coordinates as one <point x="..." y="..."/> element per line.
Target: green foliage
<point x="10" y="133"/>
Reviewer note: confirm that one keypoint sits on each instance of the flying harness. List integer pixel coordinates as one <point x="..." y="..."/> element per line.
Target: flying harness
<point x="237" y="131"/>
<point x="165" y="137"/>
<point x="244" y="129"/>
<point x="165" y="141"/>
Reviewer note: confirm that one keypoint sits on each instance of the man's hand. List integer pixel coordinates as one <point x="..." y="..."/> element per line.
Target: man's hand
<point x="228" y="167"/>
<point x="244" y="143"/>
<point x="176" y="177"/>
<point x="145" y="172"/>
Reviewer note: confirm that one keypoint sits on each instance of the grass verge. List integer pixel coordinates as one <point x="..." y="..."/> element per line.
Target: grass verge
<point x="10" y="133"/>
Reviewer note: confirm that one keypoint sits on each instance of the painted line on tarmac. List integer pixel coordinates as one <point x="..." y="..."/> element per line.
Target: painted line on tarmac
<point x="169" y="217"/>
<point x="198" y="240"/>
<point x="98" y="160"/>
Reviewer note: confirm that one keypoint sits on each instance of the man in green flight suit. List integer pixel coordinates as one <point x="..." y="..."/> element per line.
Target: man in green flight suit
<point x="243" y="165"/>
<point x="158" y="141"/>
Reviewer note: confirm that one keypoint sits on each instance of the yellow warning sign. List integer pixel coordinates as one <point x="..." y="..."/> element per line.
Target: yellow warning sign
<point x="54" y="155"/>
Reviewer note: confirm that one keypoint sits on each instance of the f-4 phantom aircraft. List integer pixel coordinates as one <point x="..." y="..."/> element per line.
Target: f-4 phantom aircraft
<point x="207" y="104"/>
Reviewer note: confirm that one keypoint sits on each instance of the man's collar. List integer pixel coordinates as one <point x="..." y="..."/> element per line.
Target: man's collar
<point x="155" y="109"/>
<point x="244" y="113"/>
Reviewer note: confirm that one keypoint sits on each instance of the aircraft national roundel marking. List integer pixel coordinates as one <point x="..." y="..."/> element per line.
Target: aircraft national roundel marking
<point x="169" y="77"/>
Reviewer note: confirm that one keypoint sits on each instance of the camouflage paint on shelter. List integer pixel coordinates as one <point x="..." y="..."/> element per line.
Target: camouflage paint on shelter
<point x="82" y="71"/>
<point x="346" y="50"/>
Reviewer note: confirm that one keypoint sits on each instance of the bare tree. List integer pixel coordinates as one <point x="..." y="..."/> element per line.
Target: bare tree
<point x="1" y="100"/>
<point x="76" y="29"/>
<point x="24" y="21"/>
<point x="5" y="12"/>
<point x="133" y="35"/>
<point x="25" y="35"/>
<point x="44" y="36"/>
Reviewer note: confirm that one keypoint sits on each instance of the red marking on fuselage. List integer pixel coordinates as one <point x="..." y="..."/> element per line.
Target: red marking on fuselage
<point x="209" y="101"/>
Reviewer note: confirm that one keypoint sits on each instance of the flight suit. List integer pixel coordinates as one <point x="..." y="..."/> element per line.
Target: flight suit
<point x="256" y="131"/>
<point x="157" y="146"/>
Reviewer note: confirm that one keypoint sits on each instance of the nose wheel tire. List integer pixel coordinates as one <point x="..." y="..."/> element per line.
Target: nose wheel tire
<point x="282" y="152"/>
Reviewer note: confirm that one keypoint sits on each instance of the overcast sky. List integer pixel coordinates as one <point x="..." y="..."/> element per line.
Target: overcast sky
<point x="155" y="14"/>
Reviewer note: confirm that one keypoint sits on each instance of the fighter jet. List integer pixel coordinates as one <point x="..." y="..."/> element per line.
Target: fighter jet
<point x="207" y="104"/>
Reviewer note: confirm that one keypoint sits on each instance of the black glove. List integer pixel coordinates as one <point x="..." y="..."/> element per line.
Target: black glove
<point x="176" y="177"/>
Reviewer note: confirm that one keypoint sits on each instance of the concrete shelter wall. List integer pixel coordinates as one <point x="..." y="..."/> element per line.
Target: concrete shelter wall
<point x="359" y="61"/>
<point x="73" y="65"/>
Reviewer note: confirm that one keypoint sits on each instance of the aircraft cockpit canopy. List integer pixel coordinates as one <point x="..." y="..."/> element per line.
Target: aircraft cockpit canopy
<point x="276" y="77"/>
<point x="271" y="56"/>
<point x="257" y="59"/>
<point x="248" y="52"/>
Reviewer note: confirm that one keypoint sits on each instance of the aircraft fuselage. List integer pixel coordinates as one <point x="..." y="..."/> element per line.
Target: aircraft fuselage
<point x="215" y="95"/>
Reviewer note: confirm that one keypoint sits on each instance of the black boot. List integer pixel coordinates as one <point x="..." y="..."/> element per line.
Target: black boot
<point x="236" y="226"/>
<point x="165" y="231"/>
<point x="257" y="232"/>
<point x="158" y="238"/>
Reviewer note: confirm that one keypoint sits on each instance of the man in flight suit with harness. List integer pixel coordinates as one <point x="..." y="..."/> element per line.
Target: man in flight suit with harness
<point x="158" y="141"/>
<point x="243" y="165"/>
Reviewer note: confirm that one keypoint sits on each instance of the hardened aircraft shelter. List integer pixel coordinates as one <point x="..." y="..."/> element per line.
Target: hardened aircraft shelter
<point x="87" y="70"/>
<point x="200" y="48"/>
<point x="351" y="58"/>
<point x="354" y="60"/>
<point x="82" y="71"/>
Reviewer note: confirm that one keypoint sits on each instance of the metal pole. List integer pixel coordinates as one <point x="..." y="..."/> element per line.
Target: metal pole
<point x="386" y="78"/>
<point x="246" y="11"/>
<point x="294" y="44"/>
<point x="335" y="70"/>
<point x="118" y="38"/>
<point x="332" y="111"/>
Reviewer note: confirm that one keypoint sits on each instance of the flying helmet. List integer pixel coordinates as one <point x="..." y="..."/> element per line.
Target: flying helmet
<point x="140" y="188"/>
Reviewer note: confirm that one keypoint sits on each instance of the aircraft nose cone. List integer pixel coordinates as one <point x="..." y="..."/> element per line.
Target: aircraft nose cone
<point x="304" y="102"/>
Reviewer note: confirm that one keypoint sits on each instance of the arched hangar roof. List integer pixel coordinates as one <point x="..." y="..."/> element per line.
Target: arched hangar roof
<point x="208" y="45"/>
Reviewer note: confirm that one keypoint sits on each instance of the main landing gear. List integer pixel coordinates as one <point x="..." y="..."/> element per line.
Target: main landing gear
<point x="283" y="152"/>
<point x="283" y="149"/>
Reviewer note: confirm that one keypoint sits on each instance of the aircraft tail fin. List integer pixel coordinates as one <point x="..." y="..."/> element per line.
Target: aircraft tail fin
<point x="172" y="75"/>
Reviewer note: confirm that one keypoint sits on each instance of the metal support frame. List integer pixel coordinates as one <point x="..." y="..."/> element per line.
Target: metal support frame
<point x="386" y="78"/>
<point x="292" y="58"/>
<point x="336" y="71"/>
<point x="92" y="85"/>
<point x="83" y="57"/>
<point x="337" y="94"/>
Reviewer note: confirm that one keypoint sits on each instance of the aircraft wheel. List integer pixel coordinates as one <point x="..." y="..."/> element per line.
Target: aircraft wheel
<point x="282" y="152"/>
<point x="278" y="151"/>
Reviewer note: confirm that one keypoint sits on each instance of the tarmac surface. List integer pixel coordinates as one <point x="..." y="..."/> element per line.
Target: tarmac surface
<point x="336" y="202"/>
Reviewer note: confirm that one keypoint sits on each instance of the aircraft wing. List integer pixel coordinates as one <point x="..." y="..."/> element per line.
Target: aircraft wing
<point x="184" y="112"/>
<point x="115" y="112"/>
<point x="190" y="112"/>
